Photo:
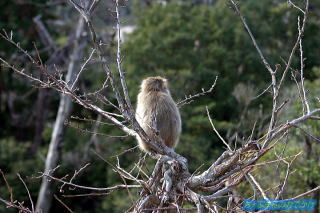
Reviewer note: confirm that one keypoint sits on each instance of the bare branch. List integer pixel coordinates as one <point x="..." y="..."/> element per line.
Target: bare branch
<point x="7" y="185"/>
<point x="295" y="6"/>
<point x="90" y="188"/>
<point x="301" y="31"/>
<point x="267" y="66"/>
<point x="93" y="5"/>
<point x="77" y="127"/>
<point x="263" y="92"/>
<point x="121" y="73"/>
<point x="21" y="72"/>
<point x="11" y="204"/>
<point x="265" y="62"/>
<point x="307" y="133"/>
<point x="76" y="172"/>
<point x="287" y="175"/>
<point x="288" y="125"/>
<point x="215" y="130"/>
<point x="82" y="68"/>
<point x="255" y="182"/>
<point x="191" y="97"/>
<point x="97" y="46"/>
<point x="306" y="193"/>
<point x="25" y="186"/>
<point x="305" y="101"/>
<point x="60" y="201"/>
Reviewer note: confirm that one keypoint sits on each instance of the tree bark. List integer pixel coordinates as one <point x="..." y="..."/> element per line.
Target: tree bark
<point x="45" y="193"/>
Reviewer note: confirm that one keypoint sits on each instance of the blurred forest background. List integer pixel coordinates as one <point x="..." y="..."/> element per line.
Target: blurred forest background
<point x="189" y="42"/>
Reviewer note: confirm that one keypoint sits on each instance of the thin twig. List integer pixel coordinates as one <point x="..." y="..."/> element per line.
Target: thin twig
<point x="112" y="188"/>
<point x="122" y="174"/>
<point x="264" y="91"/>
<point x="87" y="194"/>
<point x="267" y="66"/>
<point x="306" y="193"/>
<point x="82" y="68"/>
<point x="121" y="73"/>
<point x="76" y="172"/>
<point x="265" y="62"/>
<point x="11" y="204"/>
<point x="191" y="97"/>
<point x="125" y="151"/>
<point x="305" y="101"/>
<point x="92" y="121"/>
<point x="307" y="133"/>
<point x="215" y="130"/>
<point x="301" y="31"/>
<point x="60" y="201"/>
<point x="281" y="190"/>
<point x="86" y="15"/>
<point x="94" y="133"/>
<point x="254" y="187"/>
<point x="295" y="6"/>
<point x="299" y="91"/>
<point x="258" y="186"/>
<point x="7" y="185"/>
<point x="25" y="186"/>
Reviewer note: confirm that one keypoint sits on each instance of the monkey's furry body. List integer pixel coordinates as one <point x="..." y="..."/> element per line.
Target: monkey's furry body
<point x="157" y="113"/>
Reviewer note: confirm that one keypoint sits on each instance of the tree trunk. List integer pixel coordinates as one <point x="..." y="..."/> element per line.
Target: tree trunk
<point x="45" y="193"/>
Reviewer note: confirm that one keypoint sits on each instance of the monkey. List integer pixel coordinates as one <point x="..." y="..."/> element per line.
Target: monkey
<point x="157" y="113"/>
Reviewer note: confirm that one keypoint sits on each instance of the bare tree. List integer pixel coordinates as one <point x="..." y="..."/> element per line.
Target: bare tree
<point x="171" y="185"/>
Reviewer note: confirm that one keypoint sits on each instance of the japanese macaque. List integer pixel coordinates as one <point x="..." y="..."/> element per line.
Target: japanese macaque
<point x="157" y="113"/>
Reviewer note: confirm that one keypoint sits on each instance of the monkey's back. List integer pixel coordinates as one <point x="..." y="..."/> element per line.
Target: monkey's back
<point x="157" y="112"/>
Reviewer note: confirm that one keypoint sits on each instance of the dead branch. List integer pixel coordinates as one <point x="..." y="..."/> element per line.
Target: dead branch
<point x="190" y="98"/>
<point x="88" y="187"/>
<point x="25" y="186"/>
<point x="62" y="203"/>
<point x="12" y="205"/>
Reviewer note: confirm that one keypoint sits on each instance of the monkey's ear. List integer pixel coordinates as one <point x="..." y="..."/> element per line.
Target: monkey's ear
<point x="143" y="83"/>
<point x="165" y="82"/>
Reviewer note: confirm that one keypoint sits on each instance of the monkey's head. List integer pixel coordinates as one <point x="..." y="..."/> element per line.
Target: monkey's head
<point x="154" y="84"/>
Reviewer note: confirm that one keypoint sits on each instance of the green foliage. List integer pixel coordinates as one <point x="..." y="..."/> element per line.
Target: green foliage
<point x="118" y="202"/>
<point x="14" y="159"/>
